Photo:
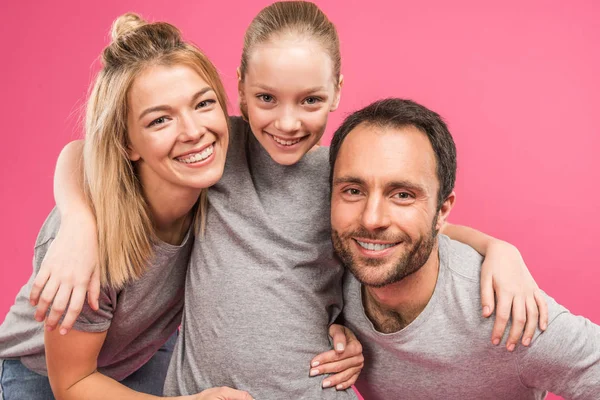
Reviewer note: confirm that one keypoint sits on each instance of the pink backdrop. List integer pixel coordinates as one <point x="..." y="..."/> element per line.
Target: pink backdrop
<point x="518" y="84"/>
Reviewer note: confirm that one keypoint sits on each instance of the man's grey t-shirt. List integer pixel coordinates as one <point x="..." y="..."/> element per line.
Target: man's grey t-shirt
<point x="446" y="351"/>
<point x="139" y="318"/>
<point x="263" y="284"/>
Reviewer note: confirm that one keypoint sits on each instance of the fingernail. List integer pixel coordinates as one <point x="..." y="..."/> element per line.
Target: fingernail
<point x="63" y="331"/>
<point x="38" y="318"/>
<point x="496" y="341"/>
<point x="339" y="347"/>
<point x="315" y="364"/>
<point x="486" y="310"/>
<point x="49" y="328"/>
<point x="511" y="347"/>
<point x="314" y="372"/>
<point x="339" y="387"/>
<point x="326" y="384"/>
<point x="544" y="326"/>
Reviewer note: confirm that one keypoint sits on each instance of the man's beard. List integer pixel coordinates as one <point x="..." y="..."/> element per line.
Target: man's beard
<point x="416" y="255"/>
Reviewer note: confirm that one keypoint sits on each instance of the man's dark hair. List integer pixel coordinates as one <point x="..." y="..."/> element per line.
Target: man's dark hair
<point x="398" y="113"/>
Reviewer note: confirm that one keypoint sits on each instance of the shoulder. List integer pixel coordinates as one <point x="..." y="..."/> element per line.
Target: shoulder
<point x="461" y="260"/>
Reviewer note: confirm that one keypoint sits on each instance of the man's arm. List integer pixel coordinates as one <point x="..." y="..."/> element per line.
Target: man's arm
<point x="565" y="359"/>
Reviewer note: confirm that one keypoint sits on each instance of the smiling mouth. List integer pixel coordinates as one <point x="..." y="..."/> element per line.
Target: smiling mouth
<point x="375" y="246"/>
<point x="197" y="157"/>
<point x="286" y="142"/>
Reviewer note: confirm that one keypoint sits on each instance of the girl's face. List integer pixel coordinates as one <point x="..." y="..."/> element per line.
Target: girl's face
<point x="177" y="130"/>
<point x="289" y="90"/>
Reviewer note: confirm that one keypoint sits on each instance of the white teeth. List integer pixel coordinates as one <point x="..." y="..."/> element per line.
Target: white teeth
<point x="192" y="158"/>
<point x="375" y="246"/>
<point x="285" y="142"/>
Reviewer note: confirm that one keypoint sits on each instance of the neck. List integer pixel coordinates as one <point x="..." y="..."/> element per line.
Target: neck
<point x="394" y="306"/>
<point x="170" y="209"/>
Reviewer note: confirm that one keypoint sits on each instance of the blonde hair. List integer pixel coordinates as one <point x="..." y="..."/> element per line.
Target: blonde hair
<point x="125" y="230"/>
<point x="300" y="18"/>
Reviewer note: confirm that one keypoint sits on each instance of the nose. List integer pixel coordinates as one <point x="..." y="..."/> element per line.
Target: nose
<point x="192" y="128"/>
<point x="375" y="215"/>
<point x="287" y="121"/>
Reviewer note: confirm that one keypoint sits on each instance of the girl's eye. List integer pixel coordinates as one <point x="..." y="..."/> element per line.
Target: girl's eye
<point x="312" y="100"/>
<point x="206" y="103"/>
<point x="157" y="121"/>
<point x="267" y="98"/>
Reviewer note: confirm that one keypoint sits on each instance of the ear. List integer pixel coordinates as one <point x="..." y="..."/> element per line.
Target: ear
<point x="132" y="153"/>
<point x="445" y="211"/>
<point x="240" y="82"/>
<point x="337" y="95"/>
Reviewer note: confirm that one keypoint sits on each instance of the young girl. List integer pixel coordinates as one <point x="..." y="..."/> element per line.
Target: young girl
<point x="263" y="284"/>
<point x="156" y="138"/>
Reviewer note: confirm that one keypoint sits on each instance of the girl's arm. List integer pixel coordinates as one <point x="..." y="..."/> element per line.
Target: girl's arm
<point x="70" y="268"/>
<point x="73" y="373"/>
<point x="505" y="275"/>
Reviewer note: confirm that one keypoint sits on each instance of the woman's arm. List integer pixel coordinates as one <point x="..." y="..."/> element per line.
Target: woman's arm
<point x="73" y="373"/>
<point x="70" y="268"/>
<point x="505" y="276"/>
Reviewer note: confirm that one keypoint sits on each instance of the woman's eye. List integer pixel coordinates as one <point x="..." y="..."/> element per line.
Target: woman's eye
<point x="206" y="103"/>
<point x="157" y="121"/>
<point x="267" y="98"/>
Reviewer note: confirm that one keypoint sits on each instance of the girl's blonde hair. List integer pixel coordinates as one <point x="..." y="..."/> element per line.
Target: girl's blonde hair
<point x="125" y="230"/>
<point x="299" y="18"/>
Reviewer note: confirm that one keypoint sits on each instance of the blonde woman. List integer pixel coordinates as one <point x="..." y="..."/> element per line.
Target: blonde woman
<point x="156" y="138"/>
<point x="263" y="282"/>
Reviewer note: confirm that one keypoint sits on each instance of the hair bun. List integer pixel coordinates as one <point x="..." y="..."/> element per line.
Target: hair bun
<point x="124" y="24"/>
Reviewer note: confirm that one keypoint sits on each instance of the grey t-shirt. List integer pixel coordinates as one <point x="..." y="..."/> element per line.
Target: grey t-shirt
<point x="446" y="351"/>
<point x="263" y="285"/>
<point x="139" y="318"/>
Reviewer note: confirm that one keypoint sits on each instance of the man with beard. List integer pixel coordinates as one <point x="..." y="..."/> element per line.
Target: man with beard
<point x="413" y="296"/>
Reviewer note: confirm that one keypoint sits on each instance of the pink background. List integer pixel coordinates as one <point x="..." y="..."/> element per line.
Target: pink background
<point x="517" y="82"/>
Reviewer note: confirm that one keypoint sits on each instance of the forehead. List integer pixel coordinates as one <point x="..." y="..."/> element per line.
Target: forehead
<point x="159" y="84"/>
<point x="289" y="64"/>
<point x="378" y="155"/>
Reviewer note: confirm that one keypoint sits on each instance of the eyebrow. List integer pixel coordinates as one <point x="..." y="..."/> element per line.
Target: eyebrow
<point x="390" y="185"/>
<point x="166" y="107"/>
<point x="309" y="90"/>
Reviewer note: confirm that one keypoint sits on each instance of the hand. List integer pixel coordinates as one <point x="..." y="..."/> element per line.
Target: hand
<point x="219" y="393"/>
<point x="346" y="361"/>
<point x="69" y="270"/>
<point x="504" y="273"/>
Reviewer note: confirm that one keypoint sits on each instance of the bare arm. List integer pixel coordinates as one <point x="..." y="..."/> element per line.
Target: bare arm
<point x="505" y="278"/>
<point x="70" y="268"/>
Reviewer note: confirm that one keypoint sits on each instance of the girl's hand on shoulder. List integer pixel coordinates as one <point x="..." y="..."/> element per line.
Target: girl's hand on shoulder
<point x="69" y="271"/>
<point x="345" y="361"/>
<point x="505" y="276"/>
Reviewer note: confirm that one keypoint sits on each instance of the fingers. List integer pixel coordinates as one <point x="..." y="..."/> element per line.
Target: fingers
<point x="59" y="305"/>
<point x="487" y="293"/>
<point x="38" y="285"/>
<point x="519" y="317"/>
<point x="93" y="295"/>
<point x="532" y="320"/>
<point x="502" y="315"/>
<point x="338" y="366"/>
<point x="342" y="380"/>
<point x="75" y="307"/>
<point x="46" y="298"/>
<point x="338" y="335"/>
<point x="542" y="308"/>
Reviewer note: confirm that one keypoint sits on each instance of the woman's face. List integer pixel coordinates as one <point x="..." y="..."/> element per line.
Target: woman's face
<point x="177" y="129"/>
<point x="289" y="90"/>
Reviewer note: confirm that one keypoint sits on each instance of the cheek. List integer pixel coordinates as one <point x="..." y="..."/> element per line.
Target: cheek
<point x="343" y="214"/>
<point x="413" y="220"/>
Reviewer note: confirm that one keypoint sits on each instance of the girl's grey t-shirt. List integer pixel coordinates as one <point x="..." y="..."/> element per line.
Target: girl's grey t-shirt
<point x="139" y="318"/>
<point x="263" y="284"/>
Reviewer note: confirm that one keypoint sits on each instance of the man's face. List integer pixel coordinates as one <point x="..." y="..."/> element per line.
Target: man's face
<point x="384" y="203"/>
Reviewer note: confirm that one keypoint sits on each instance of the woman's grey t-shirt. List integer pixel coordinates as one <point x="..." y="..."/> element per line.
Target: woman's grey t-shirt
<point x="263" y="285"/>
<point x="139" y="318"/>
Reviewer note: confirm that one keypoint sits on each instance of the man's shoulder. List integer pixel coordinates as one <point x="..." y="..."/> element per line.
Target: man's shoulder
<point x="460" y="259"/>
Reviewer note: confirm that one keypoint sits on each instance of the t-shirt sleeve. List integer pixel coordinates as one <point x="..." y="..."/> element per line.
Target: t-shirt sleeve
<point x="88" y="320"/>
<point x="565" y="359"/>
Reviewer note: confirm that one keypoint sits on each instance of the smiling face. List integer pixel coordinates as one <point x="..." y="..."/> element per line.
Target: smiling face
<point x="384" y="213"/>
<point x="177" y="129"/>
<point x="288" y="91"/>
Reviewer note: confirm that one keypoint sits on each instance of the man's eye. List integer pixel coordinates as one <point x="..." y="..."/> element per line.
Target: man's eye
<point x="403" y="195"/>
<point x="267" y="98"/>
<point x="352" y="192"/>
